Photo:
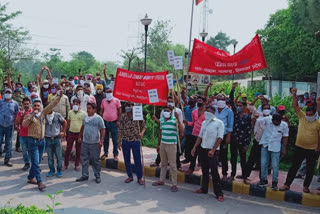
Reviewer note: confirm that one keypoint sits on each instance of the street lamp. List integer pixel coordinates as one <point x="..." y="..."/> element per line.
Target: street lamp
<point x="234" y="42"/>
<point x="146" y="22"/>
<point x="203" y="35"/>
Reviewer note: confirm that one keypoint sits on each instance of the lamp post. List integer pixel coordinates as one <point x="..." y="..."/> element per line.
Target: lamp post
<point x="203" y="35"/>
<point x="146" y="22"/>
<point x="234" y="43"/>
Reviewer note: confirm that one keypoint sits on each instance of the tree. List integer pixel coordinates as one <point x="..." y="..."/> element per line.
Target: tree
<point x="129" y="56"/>
<point x="85" y="57"/>
<point x="220" y="41"/>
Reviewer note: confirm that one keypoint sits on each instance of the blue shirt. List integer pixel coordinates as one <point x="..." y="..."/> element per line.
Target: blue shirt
<point x="26" y="91"/>
<point x="226" y="115"/>
<point x="188" y="116"/>
<point x="8" y="112"/>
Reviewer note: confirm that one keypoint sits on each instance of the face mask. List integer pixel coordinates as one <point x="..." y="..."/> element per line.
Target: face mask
<point x="46" y="86"/>
<point x="82" y="82"/>
<point x="208" y="115"/>
<point x="128" y="109"/>
<point x="313" y="97"/>
<point x="80" y="93"/>
<point x="221" y="104"/>
<point x="306" y="96"/>
<point x="239" y="109"/>
<point x="7" y="96"/>
<point x="167" y="114"/>
<point x="171" y="104"/>
<point x="75" y="108"/>
<point x="76" y="82"/>
<point x="266" y="112"/>
<point x="18" y="89"/>
<point x="311" y="119"/>
<point x="109" y="96"/>
<point x="53" y="90"/>
<point x="38" y="114"/>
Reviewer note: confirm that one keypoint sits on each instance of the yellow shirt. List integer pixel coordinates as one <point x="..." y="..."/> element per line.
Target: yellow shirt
<point x="76" y="119"/>
<point x="50" y="97"/>
<point x="308" y="132"/>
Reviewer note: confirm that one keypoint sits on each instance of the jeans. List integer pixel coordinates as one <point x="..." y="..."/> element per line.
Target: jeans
<point x="223" y="156"/>
<point x="53" y="147"/>
<point x="255" y="156"/>
<point x="71" y="138"/>
<point x="36" y="149"/>
<point x="127" y="146"/>
<point x="236" y="148"/>
<point x="6" y="132"/>
<point x="299" y="155"/>
<point x="207" y="164"/>
<point x="25" y="147"/>
<point x="275" y="159"/>
<point x="90" y="153"/>
<point x="111" y="127"/>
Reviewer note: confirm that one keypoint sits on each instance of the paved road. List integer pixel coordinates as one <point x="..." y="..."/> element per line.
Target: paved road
<point x="114" y="196"/>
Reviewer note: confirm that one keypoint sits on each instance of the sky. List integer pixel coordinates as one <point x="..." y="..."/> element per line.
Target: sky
<point x="105" y="27"/>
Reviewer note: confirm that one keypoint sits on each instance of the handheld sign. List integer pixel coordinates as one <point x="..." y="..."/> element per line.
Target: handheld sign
<point x="153" y="95"/>
<point x="171" y="57"/>
<point x="170" y="81"/>
<point x="137" y="113"/>
<point x="55" y="81"/>
<point x="178" y="63"/>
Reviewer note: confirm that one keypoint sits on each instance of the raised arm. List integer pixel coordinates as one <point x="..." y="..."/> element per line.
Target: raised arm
<point x="49" y="75"/>
<point x="104" y="72"/>
<point x="52" y="104"/>
<point x="40" y="77"/>
<point x="234" y="85"/>
<point x="295" y="100"/>
<point x="9" y="79"/>
<point x="205" y="94"/>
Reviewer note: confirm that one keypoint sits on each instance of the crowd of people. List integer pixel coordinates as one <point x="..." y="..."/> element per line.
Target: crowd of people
<point x="83" y="110"/>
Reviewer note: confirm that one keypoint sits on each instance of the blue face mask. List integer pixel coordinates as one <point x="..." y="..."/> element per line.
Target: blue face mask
<point x="76" y="82"/>
<point x="53" y="90"/>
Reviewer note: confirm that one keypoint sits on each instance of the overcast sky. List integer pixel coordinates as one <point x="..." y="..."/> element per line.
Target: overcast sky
<point x="105" y="27"/>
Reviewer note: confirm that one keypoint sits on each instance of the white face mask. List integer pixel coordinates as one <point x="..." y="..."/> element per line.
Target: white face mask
<point x="221" y="104"/>
<point x="46" y="86"/>
<point x="109" y="96"/>
<point x="7" y="96"/>
<point x="266" y="112"/>
<point x="75" y="108"/>
<point x="50" y="118"/>
<point x="311" y="119"/>
<point x="166" y="114"/>
<point x="208" y="115"/>
<point x="80" y="93"/>
<point x="171" y="104"/>
<point x="38" y="114"/>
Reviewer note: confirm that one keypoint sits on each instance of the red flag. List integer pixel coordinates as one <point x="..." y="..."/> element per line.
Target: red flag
<point x="209" y="60"/>
<point x="198" y="1"/>
<point x="134" y="86"/>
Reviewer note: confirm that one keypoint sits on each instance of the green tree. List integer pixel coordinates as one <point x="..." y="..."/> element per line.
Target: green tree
<point x="307" y="14"/>
<point x="220" y="41"/>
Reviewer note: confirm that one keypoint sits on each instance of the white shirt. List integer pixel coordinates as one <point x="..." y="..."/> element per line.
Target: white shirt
<point x="210" y="131"/>
<point x="272" y="135"/>
<point x="84" y="101"/>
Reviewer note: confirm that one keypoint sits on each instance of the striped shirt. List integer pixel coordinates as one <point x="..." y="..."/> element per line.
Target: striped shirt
<point x="169" y="131"/>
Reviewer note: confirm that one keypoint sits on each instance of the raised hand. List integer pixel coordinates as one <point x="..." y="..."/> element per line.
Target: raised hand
<point x="234" y="85"/>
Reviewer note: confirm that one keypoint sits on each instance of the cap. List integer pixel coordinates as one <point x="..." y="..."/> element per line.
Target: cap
<point x="257" y="94"/>
<point x="45" y="81"/>
<point x="266" y="97"/>
<point x="108" y="89"/>
<point x="281" y="108"/>
<point x="243" y="95"/>
<point x="86" y="83"/>
<point x="76" y="78"/>
<point x="8" y="90"/>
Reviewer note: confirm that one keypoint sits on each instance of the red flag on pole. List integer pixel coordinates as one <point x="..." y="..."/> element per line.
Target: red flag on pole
<point x="198" y="1"/>
<point x="209" y="60"/>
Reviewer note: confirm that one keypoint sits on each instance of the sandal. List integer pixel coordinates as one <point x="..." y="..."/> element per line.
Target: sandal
<point x="174" y="189"/>
<point x="41" y="186"/>
<point x="231" y="178"/>
<point x="128" y="180"/>
<point x="246" y="181"/>
<point x="220" y="198"/>
<point x="103" y="157"/>
<point x="306" y="190"/>
<point x="141" y="182"/>
<point x="284" y="188"/>
<point x="32" y="181"/>
<point x="239" y="177"/>
<point x="154" y="165"/>
<point x="199" y="191"/>
<point x="158" y="183"/>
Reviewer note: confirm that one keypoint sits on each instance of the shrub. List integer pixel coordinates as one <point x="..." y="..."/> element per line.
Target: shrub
<point x="20" y="209"/>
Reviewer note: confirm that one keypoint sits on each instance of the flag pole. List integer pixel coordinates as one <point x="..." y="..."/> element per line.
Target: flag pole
<point x="190" y="36"/>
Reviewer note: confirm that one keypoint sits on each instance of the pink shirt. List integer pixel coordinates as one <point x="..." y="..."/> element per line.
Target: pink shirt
<point x="110" y="109"/>
<point x="92" y="99"/>
<point x="196" y="122"/>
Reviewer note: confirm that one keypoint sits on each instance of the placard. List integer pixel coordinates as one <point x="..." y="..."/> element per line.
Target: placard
<point x="137" y="113"/>
<point x="171" y="57"/>
<point x="178" y="63"/>
<point x="153" y="96"/>
<point x="55" y="81"/>
<point x="170" y="81"/>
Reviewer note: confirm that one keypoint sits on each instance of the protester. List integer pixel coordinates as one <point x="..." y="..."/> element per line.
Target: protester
<point x="23" y="131"/>
<point x="111" y="112"/>
<point x="210" y="137"/>
<point x="75" y="118"/>
<point x="35" y="122"/>
<point x="301" y="101"/>
<point x="84" y="99"/>
<point x="241" y="135"/>
<point x="265" y="100"/>
<point x="91" y="135"/>
<point x="307" y="143"/>
<point x="167" y="145"/>
<point x="130" y="135"/>
<point x="8" y="112"/>
<point x="275" y="132"/>
<point x="225" y="114"/>
<point x="63" y="107"/>
<point x="87" y="91"/>
<point x="99" y="97"/>
<point x="45" y="86"/>
<point x="55" y="131"/>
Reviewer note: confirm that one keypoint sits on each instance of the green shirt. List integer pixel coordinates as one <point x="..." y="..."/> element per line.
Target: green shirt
<point x="169" y="131"/>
